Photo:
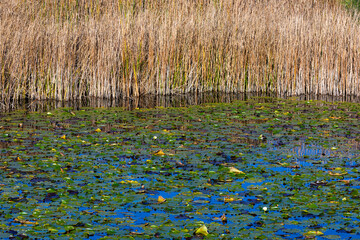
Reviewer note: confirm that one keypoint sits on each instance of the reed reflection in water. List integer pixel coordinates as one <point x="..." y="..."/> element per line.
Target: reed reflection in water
<point x="151" y="101"/>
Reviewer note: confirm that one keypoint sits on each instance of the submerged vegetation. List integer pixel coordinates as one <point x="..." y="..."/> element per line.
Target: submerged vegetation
<point x="258" y="169"/>
<point x="71" y="49"/>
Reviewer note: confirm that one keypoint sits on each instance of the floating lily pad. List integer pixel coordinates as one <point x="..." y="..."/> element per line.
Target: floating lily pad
<point x="217" y="165"/>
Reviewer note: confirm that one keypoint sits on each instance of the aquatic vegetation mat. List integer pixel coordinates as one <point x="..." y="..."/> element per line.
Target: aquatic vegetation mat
<point x="258" y="169"/>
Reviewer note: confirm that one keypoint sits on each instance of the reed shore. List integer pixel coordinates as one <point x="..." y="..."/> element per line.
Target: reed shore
<point x="73" y="49"/>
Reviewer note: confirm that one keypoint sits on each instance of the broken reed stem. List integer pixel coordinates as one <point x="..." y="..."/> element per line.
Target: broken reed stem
<point x="70" y="49"/>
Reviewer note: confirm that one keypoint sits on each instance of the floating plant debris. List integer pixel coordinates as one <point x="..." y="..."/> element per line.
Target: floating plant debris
<point x="183" y="173"/>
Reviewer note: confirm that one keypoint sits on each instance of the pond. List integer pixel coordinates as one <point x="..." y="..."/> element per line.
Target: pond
<point x="264" y="168"/>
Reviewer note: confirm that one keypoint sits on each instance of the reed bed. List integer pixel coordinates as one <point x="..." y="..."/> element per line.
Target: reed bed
<point x="72" y="49"/>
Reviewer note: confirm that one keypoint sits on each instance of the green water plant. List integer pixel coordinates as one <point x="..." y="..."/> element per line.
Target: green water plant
<point x="207" y="174"/>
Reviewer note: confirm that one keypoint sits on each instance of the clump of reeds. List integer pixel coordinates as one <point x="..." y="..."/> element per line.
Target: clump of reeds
<point x="71" y="49"/>
<point x="352" y="4"/>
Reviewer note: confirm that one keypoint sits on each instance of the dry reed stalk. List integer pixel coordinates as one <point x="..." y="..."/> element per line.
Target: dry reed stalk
<point x="70" y="49"/>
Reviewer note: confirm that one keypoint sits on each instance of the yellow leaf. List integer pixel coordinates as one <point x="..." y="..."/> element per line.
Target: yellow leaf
<point x="161" y="199"/>
<point x="346" y="182"/>
<point x="24" y="221"/>
<point x="223" y="218"/>
<point x="98" y="130"/>
<point x="202" y="230"/>
<point x="18" y="159"/>
<point x="226" y="200"/>
<point x="314" y="233"/>
<point x="283" y="164"/>
<point x="63" y="136"/>
<point x="133" y="182"/>
<point x="337" y="174"/>
<point x="235" y="170"/>
<point x="159" y="153"/>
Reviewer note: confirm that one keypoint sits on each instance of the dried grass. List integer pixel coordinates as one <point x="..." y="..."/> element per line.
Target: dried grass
<point x="71" y="49"/>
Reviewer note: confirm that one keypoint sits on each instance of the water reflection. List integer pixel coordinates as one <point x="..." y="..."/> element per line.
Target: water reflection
<point x="147" y="101"/>
<point x="151" y="101"/>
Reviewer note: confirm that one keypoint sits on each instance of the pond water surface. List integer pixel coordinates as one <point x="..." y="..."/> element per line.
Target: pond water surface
<point x="263" y="168"/>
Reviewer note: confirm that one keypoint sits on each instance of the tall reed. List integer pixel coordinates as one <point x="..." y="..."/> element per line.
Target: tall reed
<point x="71" y="49"/>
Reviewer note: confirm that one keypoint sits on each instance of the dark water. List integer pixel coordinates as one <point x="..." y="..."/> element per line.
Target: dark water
<point x="151" y="101"/>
